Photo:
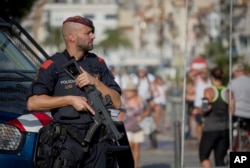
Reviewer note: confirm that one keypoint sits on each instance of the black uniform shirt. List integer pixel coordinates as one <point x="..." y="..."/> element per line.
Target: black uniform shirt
<point x="54" y="81"/>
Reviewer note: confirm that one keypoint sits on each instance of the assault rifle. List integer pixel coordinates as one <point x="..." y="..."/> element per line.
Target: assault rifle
<point x="99" y="104"/>
<point x="102" y="115"/>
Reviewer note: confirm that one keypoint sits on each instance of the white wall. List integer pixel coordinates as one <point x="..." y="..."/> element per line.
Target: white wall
<point x="59" y="12"/>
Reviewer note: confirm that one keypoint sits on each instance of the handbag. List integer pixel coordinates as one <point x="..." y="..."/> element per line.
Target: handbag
<point x="147" y="124"/>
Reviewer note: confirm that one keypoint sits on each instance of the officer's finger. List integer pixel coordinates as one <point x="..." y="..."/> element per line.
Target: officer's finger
<point x="90" y="109"/>
<point x="82" y="70"/>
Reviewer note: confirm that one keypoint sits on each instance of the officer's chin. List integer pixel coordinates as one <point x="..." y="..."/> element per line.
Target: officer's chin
<point x="90" y="47"/>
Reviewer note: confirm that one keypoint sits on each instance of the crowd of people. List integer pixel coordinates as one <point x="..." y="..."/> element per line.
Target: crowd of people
<point x="144" y="98"/>
<point x="210" y="103"/>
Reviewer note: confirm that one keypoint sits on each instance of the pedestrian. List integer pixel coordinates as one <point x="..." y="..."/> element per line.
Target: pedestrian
<point x="143" y="79"/>
<point x="56" y="91"/>
<point x="201" y="80"/>
<point x="215" y="132"/>
<point x="136" y="109"/>
<point x="159" y="89"/>
<point x="121" y="76"/>
<point x="241" y="90"/>
<point x="190" y="96"/>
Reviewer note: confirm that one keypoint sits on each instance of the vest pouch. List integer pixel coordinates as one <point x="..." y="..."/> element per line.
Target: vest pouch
<point x="67" y="113"/>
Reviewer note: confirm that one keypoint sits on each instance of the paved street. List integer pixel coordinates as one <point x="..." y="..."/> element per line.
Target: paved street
<point x="164" y="156"/>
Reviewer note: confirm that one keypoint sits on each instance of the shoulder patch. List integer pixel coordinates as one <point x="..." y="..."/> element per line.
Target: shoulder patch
<point x="100" y="59"/>
<point x="47" y="64"/>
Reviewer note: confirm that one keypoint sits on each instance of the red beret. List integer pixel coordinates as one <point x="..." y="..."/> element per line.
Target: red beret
<point x="81" y="20"/>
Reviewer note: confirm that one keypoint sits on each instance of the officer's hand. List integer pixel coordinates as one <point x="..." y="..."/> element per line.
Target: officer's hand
<point x="84" y="79"/>
<point x="80" y="103"/>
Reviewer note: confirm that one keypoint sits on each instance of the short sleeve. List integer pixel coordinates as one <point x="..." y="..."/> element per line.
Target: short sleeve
<point x="108" y="78"/>
<point x="45" y="80"/>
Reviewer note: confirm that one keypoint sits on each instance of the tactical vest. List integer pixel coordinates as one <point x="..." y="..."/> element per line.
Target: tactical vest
<point x="65" y="85"/>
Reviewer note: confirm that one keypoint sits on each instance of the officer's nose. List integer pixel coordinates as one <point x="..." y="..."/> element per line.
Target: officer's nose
<point x="92" y="35"/>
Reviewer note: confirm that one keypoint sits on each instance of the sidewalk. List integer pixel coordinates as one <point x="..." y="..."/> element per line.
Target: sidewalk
<point x="164" y="155"/>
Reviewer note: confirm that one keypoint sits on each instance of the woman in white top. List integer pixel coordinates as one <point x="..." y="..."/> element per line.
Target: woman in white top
<point x="201" y="80"/>
<point x="159" y="89"/>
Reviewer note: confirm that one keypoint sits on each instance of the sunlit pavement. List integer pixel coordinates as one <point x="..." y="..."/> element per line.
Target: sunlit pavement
<point x="164" y="155"/>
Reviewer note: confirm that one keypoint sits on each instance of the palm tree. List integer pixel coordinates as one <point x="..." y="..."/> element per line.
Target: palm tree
<point x="54" y="38"/>
<point x="217" y="54"/>
<point x="115" y="38"/>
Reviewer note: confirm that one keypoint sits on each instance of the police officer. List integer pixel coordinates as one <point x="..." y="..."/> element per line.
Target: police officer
<point x="57" y="91"/>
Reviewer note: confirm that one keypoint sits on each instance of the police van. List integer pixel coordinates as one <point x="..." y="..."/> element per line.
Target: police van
<point x="18" y="65"/>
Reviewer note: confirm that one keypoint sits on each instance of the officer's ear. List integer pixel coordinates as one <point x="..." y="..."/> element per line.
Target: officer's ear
<point x="72" y="37"/>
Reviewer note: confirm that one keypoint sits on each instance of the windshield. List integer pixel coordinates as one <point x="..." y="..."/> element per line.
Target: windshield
<point x="11" y="57"/>
<point x="17" y="72"/>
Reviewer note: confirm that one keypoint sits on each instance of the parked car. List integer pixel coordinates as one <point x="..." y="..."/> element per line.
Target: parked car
<point x="20" y="58"/>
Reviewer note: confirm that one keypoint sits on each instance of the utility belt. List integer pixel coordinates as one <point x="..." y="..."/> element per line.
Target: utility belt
<point x="53" y="136"/>
<point x="55" y="131"/>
